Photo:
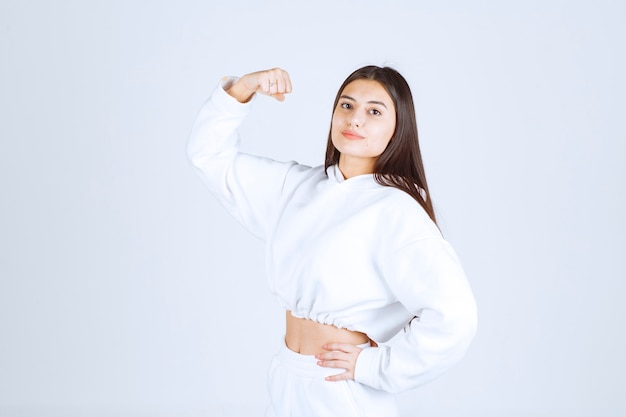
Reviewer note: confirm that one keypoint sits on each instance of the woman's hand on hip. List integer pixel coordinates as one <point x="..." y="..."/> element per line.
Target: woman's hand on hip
<point x="273" y="82"/>
<point x="339" y="355"/>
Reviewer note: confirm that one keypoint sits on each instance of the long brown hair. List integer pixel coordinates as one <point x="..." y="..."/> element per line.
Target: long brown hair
<point x="400" y="165"/>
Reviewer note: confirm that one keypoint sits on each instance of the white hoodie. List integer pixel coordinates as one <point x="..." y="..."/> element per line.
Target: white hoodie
<point x="350" y="253"/>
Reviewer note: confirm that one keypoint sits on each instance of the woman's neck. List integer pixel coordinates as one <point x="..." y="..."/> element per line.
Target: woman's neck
<point x="351" y="167"/>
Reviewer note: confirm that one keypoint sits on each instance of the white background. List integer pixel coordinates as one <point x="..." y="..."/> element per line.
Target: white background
<point x="125" y="289"/>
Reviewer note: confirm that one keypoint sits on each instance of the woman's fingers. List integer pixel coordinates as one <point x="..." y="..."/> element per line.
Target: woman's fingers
<point x="339" y="355"/>
<point x="274" y="82"/>
<point x="281" y="85"/>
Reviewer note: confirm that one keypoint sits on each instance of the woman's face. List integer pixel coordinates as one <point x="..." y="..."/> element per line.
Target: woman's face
<point x="363" y="123"/>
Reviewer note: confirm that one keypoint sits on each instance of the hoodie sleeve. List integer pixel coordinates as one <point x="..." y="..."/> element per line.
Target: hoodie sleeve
<point x="427" y="278"/>
<point x="249" y="187"/>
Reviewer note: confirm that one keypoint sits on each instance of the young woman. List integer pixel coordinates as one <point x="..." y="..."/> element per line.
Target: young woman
<point x="376" y="300"/>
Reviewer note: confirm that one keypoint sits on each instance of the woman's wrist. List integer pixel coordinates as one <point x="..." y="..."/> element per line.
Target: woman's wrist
<point x="240" y="91"/>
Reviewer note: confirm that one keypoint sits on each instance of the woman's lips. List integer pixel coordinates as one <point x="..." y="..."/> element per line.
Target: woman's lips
<point x="349" y="134"/>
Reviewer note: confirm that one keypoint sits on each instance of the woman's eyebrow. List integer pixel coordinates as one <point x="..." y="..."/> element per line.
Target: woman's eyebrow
<point x="369" y="102"/>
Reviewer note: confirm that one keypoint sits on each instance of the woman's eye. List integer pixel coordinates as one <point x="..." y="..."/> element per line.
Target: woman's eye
<point x="346" y="105"/>
<point x="375" y="112"/>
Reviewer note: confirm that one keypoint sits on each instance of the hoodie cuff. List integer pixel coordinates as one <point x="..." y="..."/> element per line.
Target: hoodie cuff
<point x="228" y="103"/>
<point x="367" y="365"/>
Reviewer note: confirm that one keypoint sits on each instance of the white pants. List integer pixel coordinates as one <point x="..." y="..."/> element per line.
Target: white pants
<point x="297" y="388"/>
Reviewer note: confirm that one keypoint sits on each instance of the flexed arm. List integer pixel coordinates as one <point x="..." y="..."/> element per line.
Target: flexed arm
<point x="250" y="187"/>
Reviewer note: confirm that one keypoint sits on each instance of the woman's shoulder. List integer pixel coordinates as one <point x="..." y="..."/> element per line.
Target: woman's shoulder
<point x="405" y="216"/>
<point x="301" y="173"/>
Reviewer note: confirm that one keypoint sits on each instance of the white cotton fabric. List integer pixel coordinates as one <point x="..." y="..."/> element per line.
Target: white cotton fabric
<point x="297" y="388"/>
<point x="349" y="253"/>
